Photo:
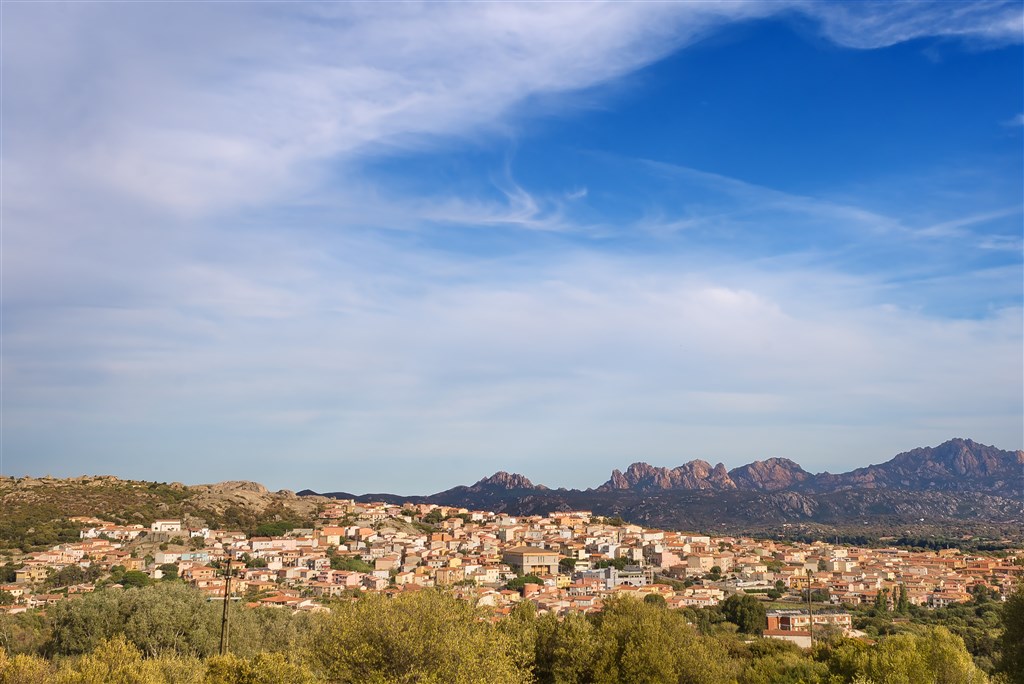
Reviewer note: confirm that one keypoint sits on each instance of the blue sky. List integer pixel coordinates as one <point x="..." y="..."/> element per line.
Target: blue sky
<point x="398" y="247"/>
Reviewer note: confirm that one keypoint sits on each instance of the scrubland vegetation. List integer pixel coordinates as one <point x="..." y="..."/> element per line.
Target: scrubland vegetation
<point x="170" y="633"/>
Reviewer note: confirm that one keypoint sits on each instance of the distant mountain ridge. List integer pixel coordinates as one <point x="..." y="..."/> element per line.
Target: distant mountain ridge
<point x="956" y="465"/>
<point x="959" y="484"/>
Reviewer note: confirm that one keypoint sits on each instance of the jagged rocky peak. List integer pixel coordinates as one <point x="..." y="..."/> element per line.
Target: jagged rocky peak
<point x="959" y="457"/>
<point x="720" y="475"/>
<point x="616" y="481"/>
<point x="769" y="475"/>
<point x="693" y="475"/>
<point x="953" y="465"/>
<point x="638" y="475"/>
<point x="503" y="480"/>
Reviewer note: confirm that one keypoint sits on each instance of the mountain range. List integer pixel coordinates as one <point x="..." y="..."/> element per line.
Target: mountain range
<point x="959" y="485"/>
<point x="956" y="465"/>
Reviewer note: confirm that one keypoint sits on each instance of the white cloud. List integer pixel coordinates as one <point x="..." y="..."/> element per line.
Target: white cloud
<point x="201" y="107"/>
<point x="283" y="87"/>
<point x="146" y="310"/>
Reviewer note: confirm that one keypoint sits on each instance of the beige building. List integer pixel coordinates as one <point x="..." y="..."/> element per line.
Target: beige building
<point x="531" y="560"/>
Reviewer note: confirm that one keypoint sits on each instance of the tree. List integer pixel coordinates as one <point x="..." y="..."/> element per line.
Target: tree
<point x="902" y="602"/>
<point x="422" y="636"/>
<point x="66" y="576"/>
<point x="8" y="572"/>
<point x="136" y="578"/>
<point x="520" y="627"/>
<point x="882" y="601"/>
<point x="566" y="649"/>
<point x="169" y="616"/>
<point x="24" y="669"/>
<point x="746" y="612"/>
<point x="278" y="528"/>
<point x="778" y="662"/>
<point x="637" y="642"/>
<point x="264" y="668"/>
<point x="567" y="565"/>
<point x="255" y="562"/>
<point x="170" y="571"/>
<point x="617" y="563"/>
<point x="1011" y="641"/>
<point x="936" y="656"/>
<point x="817" y="595"/>
<point x="517" y="583"/>
<point x="350" y="563"/>
<point x="24" y="633"/>
<point x="118" y="661"/>
<point x="433" y="517"/>
<point x="656" y="600"/>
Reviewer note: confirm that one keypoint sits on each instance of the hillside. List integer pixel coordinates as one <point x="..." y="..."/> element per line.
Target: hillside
<point x="35" y="510"/>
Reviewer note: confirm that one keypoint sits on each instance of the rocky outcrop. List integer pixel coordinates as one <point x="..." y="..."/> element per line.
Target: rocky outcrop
<point x="771" y="475"/>
<point x="956" y="465"/>
<point x="249" y="496"/>
<point x="503" y="480"/>
<point x="698" y="475"/>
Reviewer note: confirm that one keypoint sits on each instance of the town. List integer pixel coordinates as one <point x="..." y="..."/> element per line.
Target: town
<point x="566" y="562"/>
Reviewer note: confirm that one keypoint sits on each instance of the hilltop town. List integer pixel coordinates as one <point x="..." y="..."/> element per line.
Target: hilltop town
<point x="566" y="562"/>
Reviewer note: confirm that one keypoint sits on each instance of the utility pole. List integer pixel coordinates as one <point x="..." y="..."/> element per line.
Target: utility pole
<point x="224" y="619"/>
<point x="810" y="608"/>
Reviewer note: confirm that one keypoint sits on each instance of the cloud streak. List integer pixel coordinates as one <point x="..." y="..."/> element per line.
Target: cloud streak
<point x="878" y="24"/>
<point x="267" y="95"/>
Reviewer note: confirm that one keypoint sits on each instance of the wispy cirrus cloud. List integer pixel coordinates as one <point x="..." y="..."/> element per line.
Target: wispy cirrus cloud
<point x="876" y="24"/>
<point x="268" y="94"/>
<point x="281" y="89"/>
<point x="708" y="203"/>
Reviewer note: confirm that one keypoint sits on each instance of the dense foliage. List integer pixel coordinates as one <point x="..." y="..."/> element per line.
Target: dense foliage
<point x="977" y="622"/>
<point x="168" y="632"/>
